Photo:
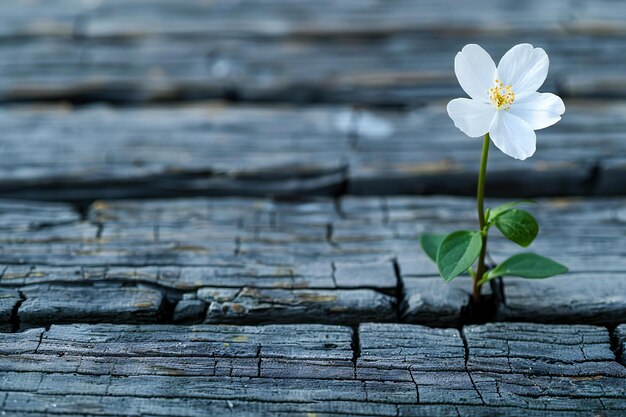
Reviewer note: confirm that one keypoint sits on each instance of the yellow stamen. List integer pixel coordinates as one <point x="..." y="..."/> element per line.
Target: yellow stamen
<point x="500" y="96"/>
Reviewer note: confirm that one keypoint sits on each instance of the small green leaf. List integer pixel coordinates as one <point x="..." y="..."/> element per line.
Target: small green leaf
<point x="430" y="244"/>
<point x="493" y="213"/>
<point x="457" y="252"/>
<point x="527" y="265"/>
<point x="518" y="226"/>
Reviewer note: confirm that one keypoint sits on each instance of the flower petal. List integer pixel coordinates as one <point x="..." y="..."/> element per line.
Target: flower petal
<point x="539" y="110"/>
<point x="524" y="67"/>
<point x="513" y="136"/>
<point x="475" y="71"/>
<point x="471" y="116"/>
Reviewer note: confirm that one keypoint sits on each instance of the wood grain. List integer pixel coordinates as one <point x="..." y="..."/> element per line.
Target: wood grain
<point x="344" y="261"/>
<point x="294" y="369"/>
<point x="374" y="53"/>
<point x="105" y="153"/>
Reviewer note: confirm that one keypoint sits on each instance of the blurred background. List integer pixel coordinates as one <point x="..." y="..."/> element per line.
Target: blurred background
<point x="146" y="98"/>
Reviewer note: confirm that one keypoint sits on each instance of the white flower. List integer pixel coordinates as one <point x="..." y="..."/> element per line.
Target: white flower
<point x="504" y="101"/>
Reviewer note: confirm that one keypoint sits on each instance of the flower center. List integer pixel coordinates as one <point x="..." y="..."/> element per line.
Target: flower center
<point x="501" y="96"/>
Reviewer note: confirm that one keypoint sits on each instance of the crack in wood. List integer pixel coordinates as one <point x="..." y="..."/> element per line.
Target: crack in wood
<point x="466" y="356"/>
<point x="15" y="318"/>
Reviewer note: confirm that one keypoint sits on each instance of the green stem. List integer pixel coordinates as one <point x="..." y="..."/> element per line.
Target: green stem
<point x="480" y="198"/>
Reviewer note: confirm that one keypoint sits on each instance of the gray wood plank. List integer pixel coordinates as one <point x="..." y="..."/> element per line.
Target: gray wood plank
<point x="182" y="159"/>
<point x="137" y="18"/>
<point x="105" y="302"/>
<point x="249" y="261"/>
<point x="224" y="287"/>
<point x="74" y="405"/>
<point x="369" y="53"/>
<point x="252" y="305"/>
<point x="538" y="364"/>
<point x="394" y="352"/>
<point x="589" y="298"/>
<point x="104" y="152"/>
<point x="279" y="18"/>
<point x="538" y="349"/>
<point x="517" y="369"/>
<point x="537" y="367"/>
<point x="200" y="340"/>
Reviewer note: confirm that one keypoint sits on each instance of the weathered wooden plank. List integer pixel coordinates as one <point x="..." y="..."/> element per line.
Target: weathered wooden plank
<point x="571" y="351"/>
<point x="522" y="365"/>
<point x="382" y="54"/>
<point x="231" y="159"/>
<point x="252" y="19"/>
<point x="302" y="351"/>
<point x="221" y="288"/>
<point x="252" y="305"/>
<point x="278" y="18"/>
<point x="121" y="406"/>
<point x="309" y="70"/>
<point x="395" y="352"/>
<point x="101" y="152"/>
<point x="398" y="369"/>
<point x="246" y="260"/>
<point x="305" y="351"/>
<point x="241" y="304"/>
<point x="398" y="241"/>
<point x="539" y="364"/>
<point x="575" y="298"/>
<point x="105" y="302"/>
<point x="155" y="406"/>
<point x="305" y="341"/>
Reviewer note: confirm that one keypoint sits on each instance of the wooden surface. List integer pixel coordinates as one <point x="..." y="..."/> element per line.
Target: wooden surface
<point x="375" y="369"/>
<point x="227" y="228"/>
<point x="367" y="52"/>
<point x="315" y="99"/>
<point x="209" y="149"/>
<point x="333" y="261"/>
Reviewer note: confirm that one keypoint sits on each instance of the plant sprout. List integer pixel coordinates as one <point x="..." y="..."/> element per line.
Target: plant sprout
<point x="505" y="108"/>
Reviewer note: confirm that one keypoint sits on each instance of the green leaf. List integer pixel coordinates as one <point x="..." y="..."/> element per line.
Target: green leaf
<point x="430" y="244"/>
<point x="527" y="265"/>
<point x="497" y="211"/>
<point x="518" y="226"/>
<point x="457" y="252"/>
